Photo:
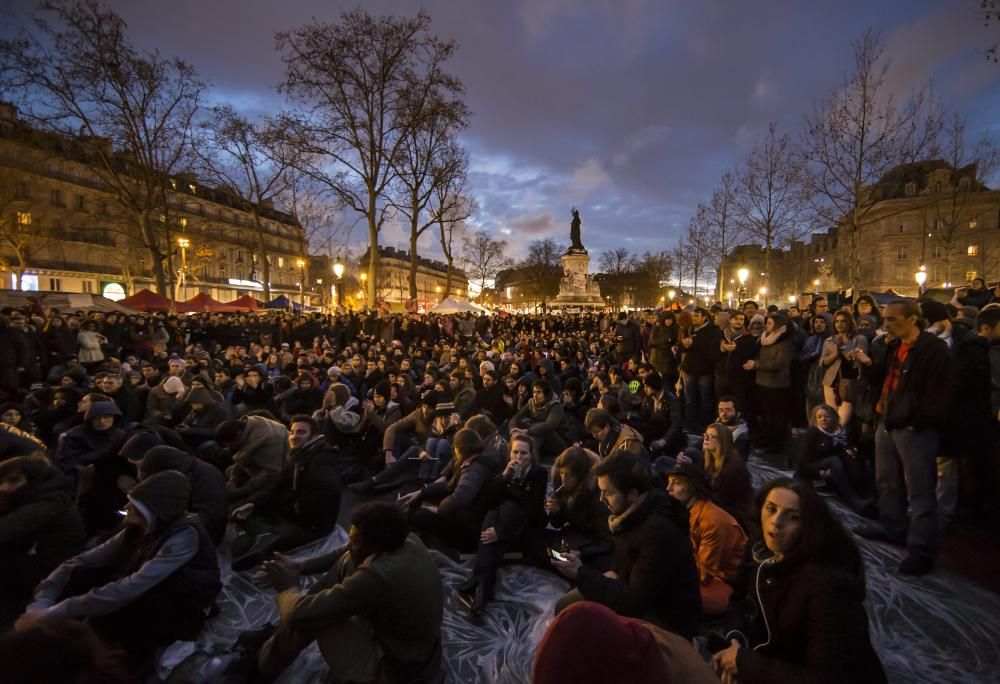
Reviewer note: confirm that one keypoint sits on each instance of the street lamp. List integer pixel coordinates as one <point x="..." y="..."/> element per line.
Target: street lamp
<point x="338" y="271"/>
<point x="671" y="293"/>
<point x="302" y="283"/>
<point x="816" y="286"/>
<point x="742" y="274"/>
<point x="183" y="243"/>
<point x="921" y="277"/>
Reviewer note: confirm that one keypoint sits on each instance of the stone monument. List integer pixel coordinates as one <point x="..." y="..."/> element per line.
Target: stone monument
<point x="577" y="289"/>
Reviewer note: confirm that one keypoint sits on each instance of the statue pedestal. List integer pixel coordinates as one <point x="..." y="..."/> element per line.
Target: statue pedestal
<point x="577" y="289"/>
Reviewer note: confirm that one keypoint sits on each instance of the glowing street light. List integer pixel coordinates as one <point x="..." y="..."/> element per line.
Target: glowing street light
<point x="338" y="272"/>
<point x="183" y="243"/>
<point x="742" y="274"/>
<point x="921" y="277"/>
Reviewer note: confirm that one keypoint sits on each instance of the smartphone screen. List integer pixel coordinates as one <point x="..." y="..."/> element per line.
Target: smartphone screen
<point x="557" y="556"/>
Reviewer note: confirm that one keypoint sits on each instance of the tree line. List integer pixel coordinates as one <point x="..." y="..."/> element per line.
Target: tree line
<point x="369" y="125"/>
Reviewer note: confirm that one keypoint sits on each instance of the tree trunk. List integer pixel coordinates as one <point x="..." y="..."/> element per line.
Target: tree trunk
<point x="372" y="252"/>
<point x="767" y="268"/>
<point x="262" y="253"/>
<point x="155" y="256"/>
<point x="413" y="260"/>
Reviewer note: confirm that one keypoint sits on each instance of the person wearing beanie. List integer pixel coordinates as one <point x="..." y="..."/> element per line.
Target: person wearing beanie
<point x="259" y="448"/>
<point x="577" y="644"/>
<point x="541" y="418"/>
<point x="146" y="587"/>
<point x="163" y="399"/>
<point x="717" y="538"/>
<point x="304" y="397"/>
<point x="203" y="415"/>
<point x="208" y="498"/>
<point x="40" y="527"/>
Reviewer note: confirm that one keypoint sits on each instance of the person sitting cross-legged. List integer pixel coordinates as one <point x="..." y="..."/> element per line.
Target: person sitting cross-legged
<point x="149" y="585"/>
<point x="377" y="612"/>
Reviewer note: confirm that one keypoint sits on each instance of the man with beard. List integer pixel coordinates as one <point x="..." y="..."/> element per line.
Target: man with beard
<point x="305" y="506"/>
<point x="376" y="614"/>
<point x="737" y="347"/>
<point x="112" y="385"/>
<point x="39" y="528"/>
<point x="149" y="585"/>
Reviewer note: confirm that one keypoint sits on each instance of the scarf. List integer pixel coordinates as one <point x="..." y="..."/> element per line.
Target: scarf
<point x="615" y="521"/>
<point x="767" y="339"/>
<point x="839" y="436"/>
<point x="728" y="334"/>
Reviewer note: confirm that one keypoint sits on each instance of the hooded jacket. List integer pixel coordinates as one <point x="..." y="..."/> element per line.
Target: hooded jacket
<point x="544" y="420"/>
<point x="622" y="437"/>
<point x="257" y="463"/>
<point x="657" y="576"/>
<point x="208" y="487"/>
<point x="83" y="444"/>
<point x="309" y="494"/>
<point x="40" y="526"/>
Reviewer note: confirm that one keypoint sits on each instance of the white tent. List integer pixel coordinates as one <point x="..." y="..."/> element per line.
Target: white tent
<point x="453" y="306"/>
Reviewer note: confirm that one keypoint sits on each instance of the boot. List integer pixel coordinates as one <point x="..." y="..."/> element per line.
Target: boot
<point x="363" y="487"/>
<point x="480" y="600"/>
<point x="468" y="587"/>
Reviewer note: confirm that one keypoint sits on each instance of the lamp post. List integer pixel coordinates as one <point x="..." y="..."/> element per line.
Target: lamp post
<point x="183" y="243"/>
<point x="671" y="293"/>
<point x="742" y="274"/>
<point x="921" y="277"/>
<point x="338" y="271"/>
<point x="364" y="288"/>
<point x="302" y="284"/>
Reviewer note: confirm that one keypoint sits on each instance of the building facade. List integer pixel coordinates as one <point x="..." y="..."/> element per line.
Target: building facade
<point x="432" y="278"/>
<point x="61" y="229"/>
<point x="928" y="216"/>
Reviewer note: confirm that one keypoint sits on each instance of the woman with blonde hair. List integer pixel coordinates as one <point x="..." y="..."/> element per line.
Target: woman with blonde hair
<point x="727" y="473"/>
<point x="842" y="377"/>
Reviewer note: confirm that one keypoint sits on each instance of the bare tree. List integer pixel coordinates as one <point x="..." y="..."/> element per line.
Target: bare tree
<point x="618" y="267"/>
<point x="770" y="197"/>
<point x="724" y="231"/>
<point x="652" y="271"/>
<point x="543" y="268"/>
<point x="955" y="208"/>
<point x="130" y="112"/>
<point x="698" y="249"/>
<point x="248" y="161"/>
<point x="355" y="83"/>
<point x="430" y="158"/>
<point x="22" y="236"/>
<point x="451" y="206"/>
<point x="484" y="257"/>
<point x="989" y="12"/>
<point x="854" y="138"/>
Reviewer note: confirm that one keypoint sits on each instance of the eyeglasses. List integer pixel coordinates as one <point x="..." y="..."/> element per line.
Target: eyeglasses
<point x="710" y="436"/>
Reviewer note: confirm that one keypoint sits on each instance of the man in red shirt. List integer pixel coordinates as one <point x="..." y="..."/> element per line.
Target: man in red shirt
<point x="917" y="378"/>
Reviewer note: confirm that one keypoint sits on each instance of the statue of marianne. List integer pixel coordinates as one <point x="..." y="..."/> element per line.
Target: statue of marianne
<point x="574" y="231"/>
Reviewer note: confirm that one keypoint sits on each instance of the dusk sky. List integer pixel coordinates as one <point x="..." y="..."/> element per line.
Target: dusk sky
<point x="628" y="109"/>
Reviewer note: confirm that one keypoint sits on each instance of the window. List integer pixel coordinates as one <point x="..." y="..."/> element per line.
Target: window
<point x="55" y="196"/>
<point x="21" y="191"/>
<point x="937" y="253"/>
<point x="222" y="270"/>
<point x="901" y="253"/>
<point x="55" y="285"/>
<point x="24" y="218"/>
<point x="911" y="189"/>
<point x="88" y="286"/>
<point x="973" y="250"/>
<point x="937" y="186"/>
<point x="969" y="275"/>
<point x="80" y="202"/>
<point x="902" y="227"/>
<point x="973" y="223"/>
<point x="281" y="262"/>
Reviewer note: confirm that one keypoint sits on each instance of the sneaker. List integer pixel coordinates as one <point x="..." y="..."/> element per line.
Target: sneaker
<point x="916" y="565"/>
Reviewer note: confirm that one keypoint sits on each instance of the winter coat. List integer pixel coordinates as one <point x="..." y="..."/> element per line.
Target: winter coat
<point x="257" y="463"/>
<point x="83" y="444"/>
<point x="701" y="356"/>
<point x="718" y="542"/>
<point x="309" y="495"/>
<point x="208" y="488"/>
<point x="732" y="490"/>
<point x="622" y="437"/>
<point x="657" y="576"/>
<point x="90" y="342"/>
<point x="926" y="386"/>
<point x="661" y="342"/>
<point x="810" y="626"/>
<point x="491" y="400"/>
<point x="971" y="419"/>
<point x="540" y="421"/>
<point x="774" y="363"/>
<point x="414" y="423"/>
<point x="42" y="527"/>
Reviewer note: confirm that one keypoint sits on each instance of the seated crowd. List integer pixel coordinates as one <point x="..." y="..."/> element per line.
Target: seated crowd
<point x="136" y="452"/>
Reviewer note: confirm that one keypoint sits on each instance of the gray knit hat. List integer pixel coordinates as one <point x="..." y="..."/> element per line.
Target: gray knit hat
<point x="165" y="495"/>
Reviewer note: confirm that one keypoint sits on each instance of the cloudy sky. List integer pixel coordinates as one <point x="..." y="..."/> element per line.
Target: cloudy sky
<point x="627" y="109"/>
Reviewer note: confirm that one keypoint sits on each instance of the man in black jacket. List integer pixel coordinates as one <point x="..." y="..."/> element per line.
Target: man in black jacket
<point x="918" y="380"/>
<point x="701" y="352"/>
<point x="306" y="504"/>
<point x="654" y="576"/>
<point x="628" y="339"/>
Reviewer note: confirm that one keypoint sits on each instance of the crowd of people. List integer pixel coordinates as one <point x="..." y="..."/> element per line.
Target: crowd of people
<point x="612" y="449"/>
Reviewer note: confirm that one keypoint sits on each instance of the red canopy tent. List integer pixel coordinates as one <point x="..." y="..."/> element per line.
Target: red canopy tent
<point x="203" y="303"/>
<point x="246" y="302"/>
<point x="146" y="300"/>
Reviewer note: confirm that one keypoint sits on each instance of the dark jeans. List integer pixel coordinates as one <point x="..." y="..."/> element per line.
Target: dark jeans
<point x="840" y="481"/>
<point x="699" y="401"/>
<point x="289" y="534"/>
<point x="906" y="476"/>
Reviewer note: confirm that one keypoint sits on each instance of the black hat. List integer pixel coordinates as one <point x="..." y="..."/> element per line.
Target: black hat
<point x="654" y="381"/>
<point x="165" y="495"/>
<point x="443" y="409"/>
<point x="430" y="398"/>
<point x="161" y="458"/>
<point x="136" y="446"/>
<point x="696" y="476"/>
<point x="933" y="311"/>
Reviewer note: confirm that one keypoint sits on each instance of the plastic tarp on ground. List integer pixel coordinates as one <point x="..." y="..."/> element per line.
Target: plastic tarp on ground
<point x="933" y="629"/>
<point x="147" y="300"/>
<point x="65" y="301"/>
<point x="203" y="303"/>
<point x="453" y="306"/>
